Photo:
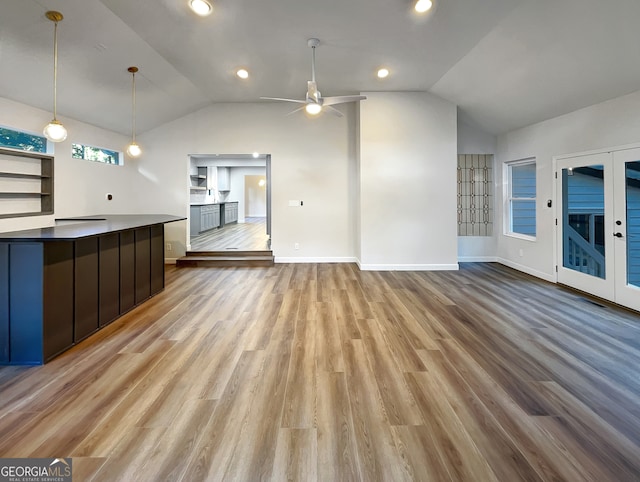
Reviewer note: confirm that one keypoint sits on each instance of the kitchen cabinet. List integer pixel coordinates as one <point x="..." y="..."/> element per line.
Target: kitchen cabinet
<point x="204" y="217"/>
<point x="230" y="212"/>
<point x="224" y="179"/>
<point x="199" y="179"/>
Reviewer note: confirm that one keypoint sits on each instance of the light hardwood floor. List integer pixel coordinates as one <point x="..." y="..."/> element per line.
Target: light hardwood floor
<point x="248" y="236"/>
<point x="322" y="372"/>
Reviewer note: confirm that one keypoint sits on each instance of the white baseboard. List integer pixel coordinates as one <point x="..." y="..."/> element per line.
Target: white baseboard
<point x="283" y="259"/>
<point x="526" y="269"/>
<point x="478" y="259"/>
<point x="408" y="267"/>
<point x="170" y="260"/>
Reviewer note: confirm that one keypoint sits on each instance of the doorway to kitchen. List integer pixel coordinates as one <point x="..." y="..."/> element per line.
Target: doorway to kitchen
<point x="230" y="204"/>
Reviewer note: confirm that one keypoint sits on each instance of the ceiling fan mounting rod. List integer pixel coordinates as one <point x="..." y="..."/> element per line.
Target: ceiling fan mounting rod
<point x="313" y="43"/>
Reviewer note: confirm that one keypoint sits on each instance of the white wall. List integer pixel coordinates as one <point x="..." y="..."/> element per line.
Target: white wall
<point x="311" y="160"/>
<point x="609" y="124"/>
<point x="408" y="160"/>
<point x="237" y="188"/>
<point x="80" y="186"/>
<point x="255" y="196"/>
<point x="473" y="140"/>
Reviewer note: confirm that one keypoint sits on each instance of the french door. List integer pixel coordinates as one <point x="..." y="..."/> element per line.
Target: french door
<point x="598" y="213"/>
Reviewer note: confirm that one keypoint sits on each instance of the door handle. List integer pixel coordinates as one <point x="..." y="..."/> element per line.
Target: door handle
<point x="618" y="235"/>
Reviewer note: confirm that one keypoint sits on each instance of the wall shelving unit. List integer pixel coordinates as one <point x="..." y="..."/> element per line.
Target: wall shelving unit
<point x="25" y="177"/>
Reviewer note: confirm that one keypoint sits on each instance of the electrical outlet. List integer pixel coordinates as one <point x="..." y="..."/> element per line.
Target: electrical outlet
<point x="169" y="248"/>
<point x="296" y="246"/>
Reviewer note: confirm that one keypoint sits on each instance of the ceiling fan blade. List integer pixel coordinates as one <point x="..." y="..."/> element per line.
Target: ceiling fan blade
<point x="341" y="99"/>
<point x="332" y="110"/>
<point x="285" y="100"/>
<point x="297" y="110"/>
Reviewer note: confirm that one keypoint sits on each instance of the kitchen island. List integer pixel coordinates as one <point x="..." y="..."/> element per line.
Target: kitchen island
<point x="62" y="283"/>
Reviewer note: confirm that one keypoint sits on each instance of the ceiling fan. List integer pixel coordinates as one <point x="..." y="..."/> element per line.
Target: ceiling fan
<point x="314" y="102"/>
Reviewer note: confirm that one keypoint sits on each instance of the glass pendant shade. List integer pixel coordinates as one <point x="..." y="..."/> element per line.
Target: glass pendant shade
<point x="55" y="131"/>
<point x="134" y="150"/>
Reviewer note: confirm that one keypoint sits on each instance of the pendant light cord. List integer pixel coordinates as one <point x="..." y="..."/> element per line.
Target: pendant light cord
<point x="55" y="70"/>
<point x="133" y="108"/>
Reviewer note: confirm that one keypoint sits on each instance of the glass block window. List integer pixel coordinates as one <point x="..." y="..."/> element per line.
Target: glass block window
<point x="22" y="140"/>
<point x="475" y="195"/>
<point x="97" y="154"/>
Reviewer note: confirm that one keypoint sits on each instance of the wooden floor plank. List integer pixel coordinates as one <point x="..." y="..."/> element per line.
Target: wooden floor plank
<point x="299" y="409"/>
<point x="337" y="459"/>
<point x="296" y="455"/>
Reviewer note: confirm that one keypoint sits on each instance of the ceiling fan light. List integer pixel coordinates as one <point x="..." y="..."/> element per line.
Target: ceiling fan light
<point x="242" y="73"/>
<point x="201" y="7"/>
<point x="134" y="150"/>
<point x="55" y="131"/>
<point x="423" y="6"/>
<point x="313" y="108"/>
<point x="383" y="73"/>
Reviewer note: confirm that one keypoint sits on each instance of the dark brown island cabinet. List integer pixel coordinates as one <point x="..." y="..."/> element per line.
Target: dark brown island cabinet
<point x="60" y="284"/>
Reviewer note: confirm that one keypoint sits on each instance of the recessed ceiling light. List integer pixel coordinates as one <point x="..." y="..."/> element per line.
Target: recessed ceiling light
<point x="423" y="6"/>
<point x="242" y="73"/>
<point x="201" y="7"/>
<point x="256" y="155"/>
<point x="382" y="73"/>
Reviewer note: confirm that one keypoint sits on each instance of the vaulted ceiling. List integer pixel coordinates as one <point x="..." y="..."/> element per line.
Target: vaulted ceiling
<point x="506" y="63"/>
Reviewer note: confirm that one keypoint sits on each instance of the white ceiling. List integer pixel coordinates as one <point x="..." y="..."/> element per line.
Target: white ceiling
<point x="506" y="63"/>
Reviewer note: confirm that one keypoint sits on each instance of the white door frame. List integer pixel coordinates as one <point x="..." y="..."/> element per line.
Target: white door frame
<point x="614" y="286"/>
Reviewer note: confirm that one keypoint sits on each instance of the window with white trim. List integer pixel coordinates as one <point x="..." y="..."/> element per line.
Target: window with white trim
<point x="520" y="209"/>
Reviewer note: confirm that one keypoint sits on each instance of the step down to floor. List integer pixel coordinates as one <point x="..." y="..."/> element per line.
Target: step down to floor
<point x="219" y="260"/>
<point x="229" y="252"/>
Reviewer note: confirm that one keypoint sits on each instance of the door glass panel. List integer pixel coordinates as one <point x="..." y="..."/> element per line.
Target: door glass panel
<point x="632" y="174"/>
<point x="583" y="220"/>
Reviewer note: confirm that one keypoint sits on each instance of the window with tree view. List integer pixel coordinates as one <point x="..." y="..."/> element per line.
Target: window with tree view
<point x="97" y="154"/>
<point x="22" y="140"/>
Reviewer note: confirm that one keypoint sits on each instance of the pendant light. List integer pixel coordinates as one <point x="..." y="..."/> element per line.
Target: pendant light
<point x="54" y="130"/>
<point x="133" y="149"/>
